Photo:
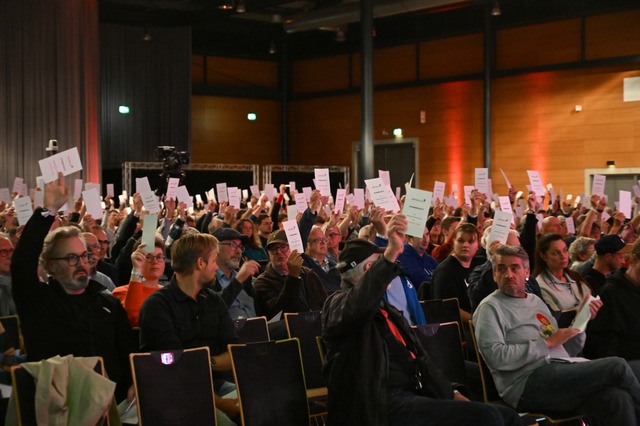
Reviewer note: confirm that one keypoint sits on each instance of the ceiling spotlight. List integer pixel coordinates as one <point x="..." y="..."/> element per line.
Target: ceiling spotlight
<point x="272" y="48"/>
<point x="146" y="36"/>
<point x="240" y="8"/>
<point x="495" y="10"/>
<point x="226" y="5"/>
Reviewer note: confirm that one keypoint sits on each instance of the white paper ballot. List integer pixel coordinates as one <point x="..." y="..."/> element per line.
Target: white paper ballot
<point x="255" y="191"/>
<point x="38" y="198"/>
<point x="91" y="185"/>
<point x="293" y="235"/>
<point x="536" y="183"/>
<point x="17" y="185"/>
<point x="171" y="188"/>
<point x="221" y="192"/>
<point x="142" y="185"/>
<point x="307" y="193"/>
<point x="149" y="224"/>
<point x="482" y="180"/>
<point x="150" y="202"/>
<point x="438" y="191"/>
<point x="624" y="198"/>
<point x="351" y="200"/>
<point x="234" y="196"/>
<point x="340" y="198"/>
<point x="5" y="195"/>
<point x="23" y="209"/>
<point x="571" y="226"/>
<point x="416" y="209"/>
<point x="504" y="175"/>
<point x="394" y="200"/>
<point x="551" y="194"/>
<point x="322" y="181"/>
<point x="505" y="204"/>
<point x="301" y="201"/>
<point x="358" y="195"/>
<point x="292" y="211"/>
<point x="584" y="313"/>
<point x="66" y="162"/>
<point x="182" y="194"/>
<point x="92" y="203"/>
<point x="500" y="227"/>
<point x="379" y="194"/>
<point x="467" y="193"/>
<point x="599" y="182"/>
<point x="270" y="191"/>
<point x="385" y="176"/>
<point x="245" y="194"/>
<point x="110" y="190"/>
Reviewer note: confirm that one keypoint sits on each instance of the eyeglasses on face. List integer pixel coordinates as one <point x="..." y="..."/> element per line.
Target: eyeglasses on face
<point x="151" y="258"/>
<point x="73" y="259"/>
<point x="96" y="246"/>
<point x="233" y="246"/>
<point x="319" y="240"/>
<point x="281" y="248"/>
<point x="6" y="252"/>
<point x="103" y="242"/>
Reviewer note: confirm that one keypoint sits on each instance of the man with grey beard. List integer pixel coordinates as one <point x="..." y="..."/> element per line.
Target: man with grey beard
<point x="69" y="315"/>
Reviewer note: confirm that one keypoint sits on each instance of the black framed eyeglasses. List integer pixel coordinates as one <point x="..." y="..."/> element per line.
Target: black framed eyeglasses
<point x="319" y="240"/>
<point x="73" y="259"/>
<point x="151" y="258"/>
<point x="275" y="249"/>
<point x="233" y="246"/>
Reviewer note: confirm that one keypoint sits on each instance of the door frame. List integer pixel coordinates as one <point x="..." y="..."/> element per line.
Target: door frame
<point x="355" y="149"/>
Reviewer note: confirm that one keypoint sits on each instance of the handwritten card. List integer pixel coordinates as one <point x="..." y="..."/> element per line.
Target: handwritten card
<point x="293" y="235"/>
<point x="339" y="204"/>
<point x="150" y="202"/>
<point x="66" y="162"/>
<point x="171" y="188"/>
<point x="323" y="184"/>
<point x="500" y="227"/>
<point x="416" y="209"/>
<point x="482" y="180"/>
<point x="536" y="183"/>
<point x="23" y="209"/>
<point x="599" y="182"/>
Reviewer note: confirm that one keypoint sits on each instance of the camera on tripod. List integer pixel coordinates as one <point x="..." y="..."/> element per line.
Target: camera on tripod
<point x="172" y="161"/>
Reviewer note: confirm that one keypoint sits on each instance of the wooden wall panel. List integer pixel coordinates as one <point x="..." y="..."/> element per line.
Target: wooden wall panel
<point x="390" y="65"/>
<point x="230" y="72"/>
<point x="323" y="130"/>
<point x="221" y="132"/>
<point x="535" y="125"/>
<point x="321" y="74"/>
<point x="451" y="56"/>
<point x="615" y="34"/>
<point x="542" y="44"/>
<point x="197" y="69"/>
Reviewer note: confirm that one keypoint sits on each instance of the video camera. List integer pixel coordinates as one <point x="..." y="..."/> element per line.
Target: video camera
<point x="172" y="161"/>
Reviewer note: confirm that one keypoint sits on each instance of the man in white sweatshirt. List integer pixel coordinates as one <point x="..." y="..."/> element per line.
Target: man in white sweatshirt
<point x="521" y="343"/>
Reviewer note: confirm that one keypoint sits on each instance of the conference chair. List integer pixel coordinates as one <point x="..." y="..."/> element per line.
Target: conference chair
<point x="443" y="343"/>
<point x="490" y="393"/>
<point x="24" y="394"/>
<point x="251" y="330"/>
<point x="270" y="383"/>
<point x="174" y="387"/>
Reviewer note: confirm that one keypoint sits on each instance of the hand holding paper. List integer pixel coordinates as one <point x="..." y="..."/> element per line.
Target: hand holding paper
<point x="56" y="194"/>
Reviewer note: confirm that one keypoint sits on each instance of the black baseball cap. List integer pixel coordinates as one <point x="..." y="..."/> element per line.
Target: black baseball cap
<point x="356" y="251"/>
<point x="611" y="244"/>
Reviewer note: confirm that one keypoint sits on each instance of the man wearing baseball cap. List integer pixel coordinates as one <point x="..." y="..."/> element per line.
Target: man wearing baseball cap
<point x="372" y="353"/>
<point x="616" y="328"/>
<point x="233" y="282"/>
<point x="286" y="285"/>
<point x="611" y="251"/>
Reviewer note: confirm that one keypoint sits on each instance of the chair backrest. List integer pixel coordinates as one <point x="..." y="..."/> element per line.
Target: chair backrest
<point x="11" y="326"/>
<point x="489" y="391"/>
<point x="443" y="342"/>
<point x="270" y="383"/>
<point x="251" y="330"/>
<point x="24" y="393"/>
<point x="174" y="387"/>
<point x="306" y="326"/>
<point x="438" y="311"/>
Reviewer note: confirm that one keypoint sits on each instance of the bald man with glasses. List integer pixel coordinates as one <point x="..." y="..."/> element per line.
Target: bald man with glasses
<point x="69" y="315"/>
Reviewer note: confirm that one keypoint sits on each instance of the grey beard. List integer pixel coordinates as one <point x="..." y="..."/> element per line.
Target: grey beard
<point x="74" y="284"/>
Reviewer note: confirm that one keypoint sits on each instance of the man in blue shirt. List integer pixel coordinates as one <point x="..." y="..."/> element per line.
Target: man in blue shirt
<point x="416" y="263"/>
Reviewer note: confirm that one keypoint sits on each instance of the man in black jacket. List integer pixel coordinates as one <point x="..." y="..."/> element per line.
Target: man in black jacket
<point x="71" y="314"/>
<point x="369" y="346"/>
